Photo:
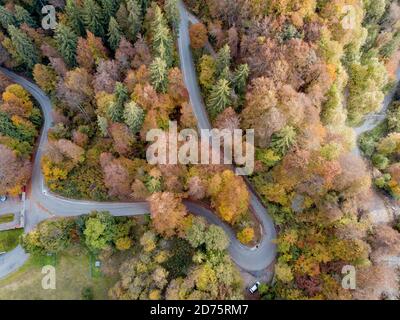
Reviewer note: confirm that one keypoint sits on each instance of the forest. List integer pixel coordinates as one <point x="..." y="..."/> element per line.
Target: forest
<point x="299" y="73"/>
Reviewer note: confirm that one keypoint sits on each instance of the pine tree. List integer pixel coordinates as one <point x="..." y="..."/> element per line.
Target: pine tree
<point x="66" y="41"/>
<point x="283" y="140"/>
<point x="93" y="17"/>
<point x="173" y="15"/>
<point x="74" y="17"/>
<point x="23" y="16"/>
<point x="6" y="18"/>
<point x="162" y="39"/>
<point x="219" y="98"/>
<point x="159" y="75"/>
<point x="223" y="60"/>
<point x="114" y="112"/>
<point x="24" y="46"/>
<point x="108" y="9"/>
<point x="114" y="33"/>
<point x="133" y="19"/>
<point x="144" y="4"/>
<point x="103" y="125"/>
<point x="116" y="109"/>
<point x="133" y="116"/>
<point x="240" y="79"/>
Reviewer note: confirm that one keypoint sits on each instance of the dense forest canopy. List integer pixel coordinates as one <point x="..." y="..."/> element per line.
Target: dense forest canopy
<point x="300" y="73"/>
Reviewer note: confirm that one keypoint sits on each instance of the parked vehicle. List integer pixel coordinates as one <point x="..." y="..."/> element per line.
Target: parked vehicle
<point x="254" y="288"/>
<point x="3" y="198"/>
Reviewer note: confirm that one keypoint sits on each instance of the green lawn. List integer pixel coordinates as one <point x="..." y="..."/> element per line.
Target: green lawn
<point x="72" y="278"/>
<point x="9" y="239"/>
<point x="5" y="218"/>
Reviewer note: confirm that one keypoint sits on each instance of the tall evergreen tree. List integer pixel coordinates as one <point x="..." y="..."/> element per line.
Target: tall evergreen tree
<point x="116" y="109"/>
<point x="93" y="17"/>
<point x="172" y="11"/>
<point x="109" y="8"/>
<point x="66" y="41"/>
<point x="219" y="98"/>
<point x="159" y="75"/>
<point x="23" y="16"/>
<point x="162" y="39"/>
<point x="103" y="125"/>
<point x="283" y="140"/>
<point x="6" y="18"/>
<point x="24" y="46"/>
<point x="114" y="33"/>
<point x="134" y="18"/>
<point x="223" y="60"/>
<point x="240" y="79"/>
<point x="144" y="4"/>
<point x="133" y="116"/>
<point x="115" y="112"/>
<point x="74" y="17"/>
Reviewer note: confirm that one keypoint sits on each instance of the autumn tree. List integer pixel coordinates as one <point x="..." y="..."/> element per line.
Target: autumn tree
<point x="207" y="71"/>
<point x="229" y="196"/>
<point x="198" y="35"/>
<point x="14" y="172"/>
<point x="167" y="213"/>
<point x="45" y="77"/>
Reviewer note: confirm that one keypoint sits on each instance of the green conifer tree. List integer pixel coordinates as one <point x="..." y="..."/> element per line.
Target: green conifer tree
<point x="23" y="16"/>
<point x="74" y="17"/>
<point x="159" y="75"/>
<point x="114" y="33"/>
<point x="133" y="116"/>
<point x="6" y="18"/>
<point x="66" y="41"/>
<point x="219" y="98"/>
<point x="93" y="17"/>
<point x="24" y="46"/>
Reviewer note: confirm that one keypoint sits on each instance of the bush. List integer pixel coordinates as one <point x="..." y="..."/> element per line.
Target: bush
<point x="368" y="140"/>
<point x="380" y="161"/>
<point x="87" y="293"/>
<point x="246" y="235"/>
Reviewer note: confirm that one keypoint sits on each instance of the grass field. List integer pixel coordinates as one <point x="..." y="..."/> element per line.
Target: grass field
<point x="5" y="218"/>
<point x="9" y="239"/>
<point x="73" y="276"/>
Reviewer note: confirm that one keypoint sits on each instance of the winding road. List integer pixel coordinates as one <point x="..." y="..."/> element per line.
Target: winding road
<point x="42" y="204"/>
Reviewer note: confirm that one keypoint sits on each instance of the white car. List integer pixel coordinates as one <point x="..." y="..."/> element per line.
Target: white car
<point x="3" y="198"/>
<point x="254" y="288"/>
